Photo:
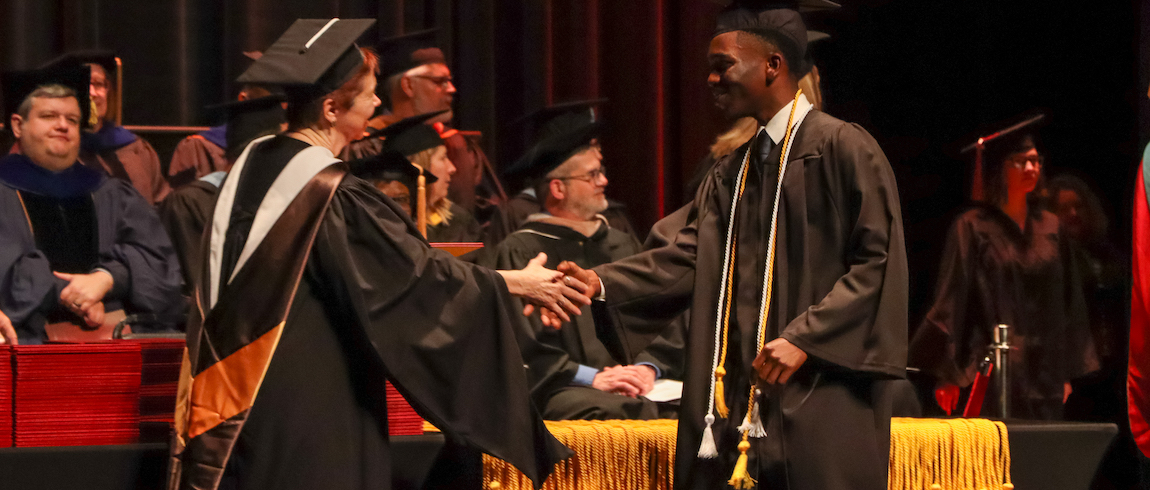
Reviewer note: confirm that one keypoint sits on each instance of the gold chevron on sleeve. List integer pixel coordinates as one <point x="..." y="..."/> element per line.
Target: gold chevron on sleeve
<point x="229" y="386"/>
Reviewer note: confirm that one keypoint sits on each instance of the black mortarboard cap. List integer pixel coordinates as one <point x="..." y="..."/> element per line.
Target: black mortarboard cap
<point x="412" y="135"/>
<point x="249" y="119"/>
<point x="401" y="53"/>
<point x="775" y="20"/>
<point x="16" y="85"/>
<point x="314" y="57"/>
<point x="558" y="130"/>
<point x="104" y="58"/>
<point x="390" y="165"/>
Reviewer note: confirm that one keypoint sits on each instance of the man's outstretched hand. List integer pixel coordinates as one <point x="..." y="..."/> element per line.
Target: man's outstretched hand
<point x="573" y="274"/>
<point x="555" y="295"/>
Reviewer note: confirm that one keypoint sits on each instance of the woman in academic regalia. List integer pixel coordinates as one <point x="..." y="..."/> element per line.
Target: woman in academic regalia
<point x="422" y="145"/>
<point x="1008" y="261"/>
<point x="317" y="289"/>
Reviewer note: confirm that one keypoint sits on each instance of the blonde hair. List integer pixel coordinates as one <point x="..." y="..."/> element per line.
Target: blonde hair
<point x="442" y="208"/>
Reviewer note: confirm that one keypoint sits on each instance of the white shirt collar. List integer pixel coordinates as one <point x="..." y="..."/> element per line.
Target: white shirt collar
<point x="777" y="126"/>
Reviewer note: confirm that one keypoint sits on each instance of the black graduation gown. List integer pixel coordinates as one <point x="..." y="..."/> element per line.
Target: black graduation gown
<point x="185" y="214"/>
<point x="840" y="295"/>
<point x="375" y="302"/>
<point x="993" y="273"/>
<point x="461" y="228"/>
<point x="553" y="365"/>
<point x="129" y="242"/>
<point x="513" y="213"/>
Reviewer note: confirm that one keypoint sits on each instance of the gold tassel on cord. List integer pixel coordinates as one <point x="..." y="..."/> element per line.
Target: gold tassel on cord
<point x="740" y="478"/>
<point x="720" y="394"/>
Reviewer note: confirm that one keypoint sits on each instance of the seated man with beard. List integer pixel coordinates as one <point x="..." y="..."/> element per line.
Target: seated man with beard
<point x="572" y="373"/>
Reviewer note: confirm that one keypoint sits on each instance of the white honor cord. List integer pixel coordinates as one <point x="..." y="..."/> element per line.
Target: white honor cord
<point x="723" y="288"/>
<point x="768" y="269"/>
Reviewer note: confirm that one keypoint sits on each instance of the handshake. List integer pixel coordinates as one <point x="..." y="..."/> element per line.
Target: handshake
<point x="556" y="294"/>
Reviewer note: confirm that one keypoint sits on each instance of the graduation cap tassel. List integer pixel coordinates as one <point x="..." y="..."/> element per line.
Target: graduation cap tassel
<point x="707" y="449"/>
<point x="740" y="478"/>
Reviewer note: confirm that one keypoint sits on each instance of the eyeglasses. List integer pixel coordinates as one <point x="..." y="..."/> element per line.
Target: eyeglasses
<point x="1021" y="161"/>
<point x="443" y="82"/>
<point x="592" y="176"/>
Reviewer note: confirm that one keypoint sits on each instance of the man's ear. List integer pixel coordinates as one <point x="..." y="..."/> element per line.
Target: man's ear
<point x="773" y="66"/>
<point x="557" y="188"/>
<point x="15" y="123"/>
<point x="407" y="86"/>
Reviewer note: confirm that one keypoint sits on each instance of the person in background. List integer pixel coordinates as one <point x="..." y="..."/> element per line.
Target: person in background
<point x="424" y="147"/>
<point x="1099" y="396"/>
<point x="572" y="373"/>
<point x="204" y="153"/>
<point x="548" y="128"/>
<point x="415" y="80"/>
<point x="187" y="210"/>
<point x="76" y="247"/>
<point x="1009" y="261"/>
<point x="106" y="144"/>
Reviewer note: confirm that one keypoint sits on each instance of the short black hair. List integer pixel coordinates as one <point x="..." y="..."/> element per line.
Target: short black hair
<point x="776" y="42"/>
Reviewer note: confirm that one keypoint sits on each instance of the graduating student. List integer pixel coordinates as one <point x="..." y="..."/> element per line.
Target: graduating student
<point x="317" y="288"/>
<point x="106" y="144"/>
<point x="187" y="210"/>
<point x="798" y="290"/>
<point x="75" y="245"/>
<point x="570" y="180"/>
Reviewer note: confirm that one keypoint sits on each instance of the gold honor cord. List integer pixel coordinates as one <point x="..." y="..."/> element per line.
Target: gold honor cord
<point x="752" y="425"/>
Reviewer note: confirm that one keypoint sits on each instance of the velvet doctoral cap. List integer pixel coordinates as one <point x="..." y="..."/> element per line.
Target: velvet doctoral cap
<point x="16" y="85"/>
<point x="412" y="135"/>
<point x="401" y="53"/>
<point x="249" y="119"/>
<point x="557" y="131"/>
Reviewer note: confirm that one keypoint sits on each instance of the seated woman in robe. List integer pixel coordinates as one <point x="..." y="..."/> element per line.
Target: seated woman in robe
<point x="1008" y="261"/>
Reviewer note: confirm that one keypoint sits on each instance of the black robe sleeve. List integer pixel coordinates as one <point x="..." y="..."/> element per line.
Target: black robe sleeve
<point x="647" y="291"/>
<point x="441" y="327"/>
<point x="185" y="215"/>
<point x="548" y="367"/>
<point x="867" y="305"/>
<point x="933" y="348"/>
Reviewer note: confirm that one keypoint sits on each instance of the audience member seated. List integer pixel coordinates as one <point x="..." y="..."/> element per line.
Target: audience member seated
<point x="107" y="145"/>
<point x="415" y="80"/>
<point x="515" y="211"/>
<point x="204" y="153"/>
<point x="423" y="146"/>
<point x="394" y="176"/>
<point x="574" y="375"/>
<point x="75" y="246"/>
<point x="186" y="211"/>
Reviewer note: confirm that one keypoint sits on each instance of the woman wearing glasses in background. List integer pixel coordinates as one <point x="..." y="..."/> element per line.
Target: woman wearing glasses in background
<point x="1007" y="261"/>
